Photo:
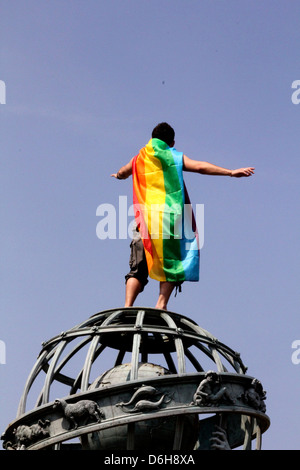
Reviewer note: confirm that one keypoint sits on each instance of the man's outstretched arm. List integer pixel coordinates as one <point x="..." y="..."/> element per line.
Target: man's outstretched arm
<point x="124" y="172"/>
<point x="206" y="168"/>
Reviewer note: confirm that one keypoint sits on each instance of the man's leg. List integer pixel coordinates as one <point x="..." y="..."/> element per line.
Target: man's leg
<point x="165" y="290"/>
<point x="133" y="288"/>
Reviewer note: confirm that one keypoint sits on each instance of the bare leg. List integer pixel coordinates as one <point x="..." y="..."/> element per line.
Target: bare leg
<point x="133" y="288"/>
<point x="165" y="290"/>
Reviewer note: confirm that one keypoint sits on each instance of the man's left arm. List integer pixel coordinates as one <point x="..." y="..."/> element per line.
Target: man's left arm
<point x="206" y="168"/>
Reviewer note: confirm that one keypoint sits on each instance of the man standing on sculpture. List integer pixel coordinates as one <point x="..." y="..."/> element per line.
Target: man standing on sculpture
<point x="161" y="247"/>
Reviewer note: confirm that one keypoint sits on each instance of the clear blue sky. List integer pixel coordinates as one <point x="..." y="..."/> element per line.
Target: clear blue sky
<point x="86" y="81"/>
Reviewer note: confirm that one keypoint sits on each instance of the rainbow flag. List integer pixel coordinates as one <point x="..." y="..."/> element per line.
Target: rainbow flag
<point x="164" y="214"/>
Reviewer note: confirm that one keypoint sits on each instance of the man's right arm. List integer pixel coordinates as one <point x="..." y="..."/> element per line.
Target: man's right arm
<point x="124" y="172"/>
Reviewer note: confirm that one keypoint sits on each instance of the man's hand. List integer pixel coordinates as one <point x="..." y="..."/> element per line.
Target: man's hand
<point x="239" y="173"/>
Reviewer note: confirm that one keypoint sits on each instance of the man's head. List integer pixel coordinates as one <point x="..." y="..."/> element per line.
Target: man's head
<point x="165" y="132"/>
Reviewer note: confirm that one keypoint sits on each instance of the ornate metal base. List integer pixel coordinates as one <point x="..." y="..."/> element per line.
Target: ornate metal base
<point x="140" y="405"/>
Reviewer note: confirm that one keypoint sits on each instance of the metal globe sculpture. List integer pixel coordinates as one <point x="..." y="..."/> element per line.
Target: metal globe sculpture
<point x="138" y="379"/>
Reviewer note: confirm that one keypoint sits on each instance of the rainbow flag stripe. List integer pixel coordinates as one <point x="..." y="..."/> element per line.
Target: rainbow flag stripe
<point x="164" y="214"/>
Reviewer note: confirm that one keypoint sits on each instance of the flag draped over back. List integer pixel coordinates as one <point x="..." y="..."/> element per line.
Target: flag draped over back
<point x="164" y="215"/>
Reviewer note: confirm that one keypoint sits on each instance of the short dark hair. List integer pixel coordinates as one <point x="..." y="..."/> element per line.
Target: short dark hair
<point x="165" y="132"/>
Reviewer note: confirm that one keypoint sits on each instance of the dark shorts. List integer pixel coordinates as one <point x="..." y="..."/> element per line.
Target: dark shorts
<point x="137" y="263"/>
